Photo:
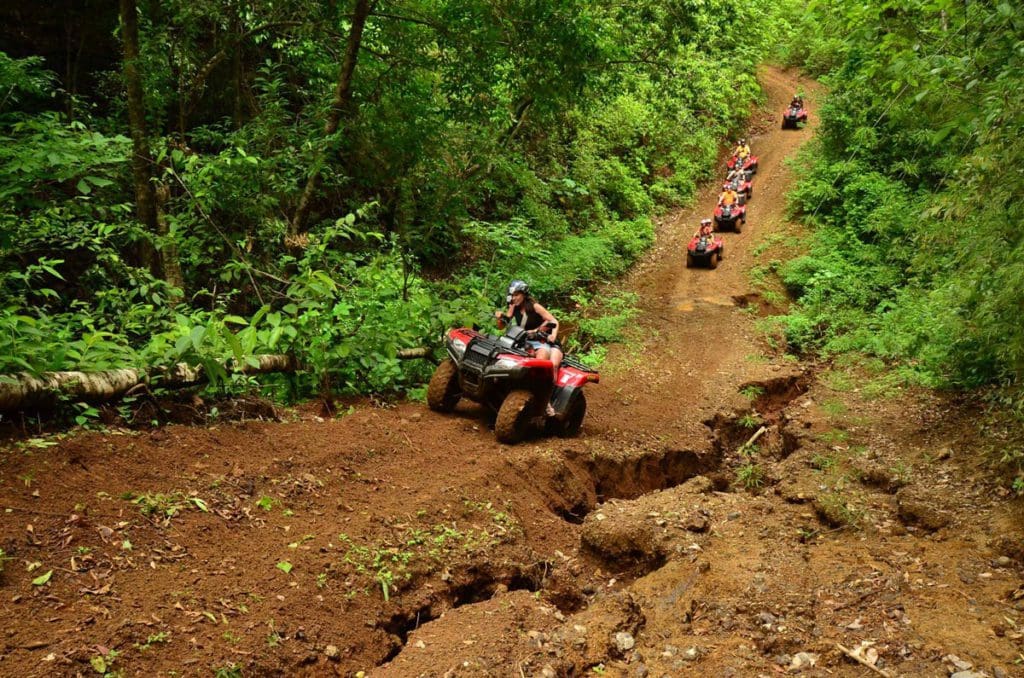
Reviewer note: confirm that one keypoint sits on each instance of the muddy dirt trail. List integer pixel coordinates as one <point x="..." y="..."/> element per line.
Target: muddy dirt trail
<point x="393" y="541"/>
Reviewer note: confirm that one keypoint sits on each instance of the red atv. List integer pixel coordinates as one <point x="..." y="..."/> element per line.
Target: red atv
<point x="501" y="373"/>
<point x="742" y="184"/>
<point x="793" y="117"/>
<point x="749" y="164"/>
<point x="731" y="217"/>
<point x="704" y="249"/>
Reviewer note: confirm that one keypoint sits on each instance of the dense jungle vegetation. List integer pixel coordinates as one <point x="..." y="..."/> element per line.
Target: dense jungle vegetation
<point x="201" y="181"/>
<point x="913" y="187"/>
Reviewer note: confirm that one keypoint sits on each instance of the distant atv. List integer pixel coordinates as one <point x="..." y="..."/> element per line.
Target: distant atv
<point x="793" y="117"/>
<point x="501" y="373"/>
<point x="704" y="250"/>
<point x="742" y="184"/>
<point x="749" y="163"/>
<point x="731" y="217"/>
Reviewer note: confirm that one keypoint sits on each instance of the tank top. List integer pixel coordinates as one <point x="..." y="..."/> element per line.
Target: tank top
<point x="533" y="320"/>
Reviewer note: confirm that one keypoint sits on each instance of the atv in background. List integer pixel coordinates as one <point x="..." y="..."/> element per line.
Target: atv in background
<point x="793" y="117"/>
<point x="704" y="250"/>
<point x="731" y="217"/>
<point x="742" y="184"/>
<point x="501" y="373"/>
<point x="749" y="163"/>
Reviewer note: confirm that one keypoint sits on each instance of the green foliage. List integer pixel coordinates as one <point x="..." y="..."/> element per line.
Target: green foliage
<point x="533" y="140"/>
<point x="750" y="475"/>
<point x="912" y="191"/>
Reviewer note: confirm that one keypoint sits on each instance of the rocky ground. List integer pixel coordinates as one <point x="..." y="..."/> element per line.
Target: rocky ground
<point x="726" y="511"/>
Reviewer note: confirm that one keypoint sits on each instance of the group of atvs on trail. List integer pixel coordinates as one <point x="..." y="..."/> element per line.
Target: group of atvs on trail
<point x="522" y="375"/>
<point x="706" y="247"/>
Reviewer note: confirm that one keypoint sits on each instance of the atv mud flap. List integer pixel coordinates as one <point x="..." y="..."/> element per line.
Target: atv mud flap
<point x="560" y="399"/>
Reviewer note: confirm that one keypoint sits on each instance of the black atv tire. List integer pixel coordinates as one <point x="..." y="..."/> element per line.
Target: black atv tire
<point x="713" y="261"/>
<point x="721" y="252"/>
<point x="573" y="421"/>
<point x="750" y="193"/>
<point x="738" y="225"/>
<point x="689" y="260"/>
<point x="444" y="391"/>
<point x="513" y="417"/>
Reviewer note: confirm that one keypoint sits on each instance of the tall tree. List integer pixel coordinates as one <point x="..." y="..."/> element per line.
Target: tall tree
<point x="340" y="106"/>
<point x="148" y="207"/>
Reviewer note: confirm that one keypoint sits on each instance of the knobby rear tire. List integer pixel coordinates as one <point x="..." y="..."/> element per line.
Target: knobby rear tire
<point x="574" y="418"/>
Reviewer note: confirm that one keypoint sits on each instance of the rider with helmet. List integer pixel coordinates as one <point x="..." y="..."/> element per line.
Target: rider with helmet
<point x="797" y="102"/>
<point x="728" y="197"/>
<point x="742" y="150"/>
<point x="706" y="230"/>
<point x="532" y="317"/>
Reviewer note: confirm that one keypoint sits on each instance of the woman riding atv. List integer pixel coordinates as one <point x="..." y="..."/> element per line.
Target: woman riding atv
<point x="706" y="230"/>
<point x="532" y="317"/>
<point x="728" y="197"/>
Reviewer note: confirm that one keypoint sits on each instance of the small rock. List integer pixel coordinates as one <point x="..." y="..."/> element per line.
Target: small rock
<point x="332" y="652"/>
<point x="419" y="644"/>
<point x="766" y="618"/>
<point x="782" y="659"/>
<point x="624" y="641"/>
<point x="1003" y="561"/>
<point x="641" y="671"/>
<point x="548" y="671"/>
<point x="969" y="674"/>
<point x="999" y="673"/>
<point x="943" y="453"/>
<point x="697" y="523"/>
<point x="733" y="516"/>
<point x="802" y="660"/>
<point x="959" y="664"/>
<point x="691" y="654"/>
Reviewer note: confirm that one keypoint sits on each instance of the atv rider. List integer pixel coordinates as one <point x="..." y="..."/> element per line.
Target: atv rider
<point x="532" y="317"/>
<point x="742" y="150"/>
<point x="706" y="230"/>
<point x="728" y="197"/>
<point x="797" y="102"/>
<point x="736" y="172"/>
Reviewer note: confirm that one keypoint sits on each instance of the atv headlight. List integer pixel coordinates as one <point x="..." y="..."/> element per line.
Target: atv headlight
<point x="505" y="364"/>
<point x="458" y="347"/>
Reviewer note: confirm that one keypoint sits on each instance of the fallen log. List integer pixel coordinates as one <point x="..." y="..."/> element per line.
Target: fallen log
<point x="411" y="353"/>
<point x="24" y="390"/>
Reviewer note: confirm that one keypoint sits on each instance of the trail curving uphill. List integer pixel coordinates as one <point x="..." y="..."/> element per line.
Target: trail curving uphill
<point x="400" y="542"/>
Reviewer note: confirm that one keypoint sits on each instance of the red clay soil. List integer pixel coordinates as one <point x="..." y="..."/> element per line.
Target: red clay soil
<point x="398" y="542"/>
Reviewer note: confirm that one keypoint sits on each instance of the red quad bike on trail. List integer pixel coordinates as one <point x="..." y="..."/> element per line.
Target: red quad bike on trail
<point x="731" y="217"/>
<point x="704" y="250"/>
<point x="793" y="117"/>
<point x="742" y="184"/>
<point x="501" y="373"/>
<point x="749" y="163"/>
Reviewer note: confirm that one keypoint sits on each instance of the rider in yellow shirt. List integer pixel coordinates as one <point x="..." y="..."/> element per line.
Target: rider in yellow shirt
<point x="742" y="150"/>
